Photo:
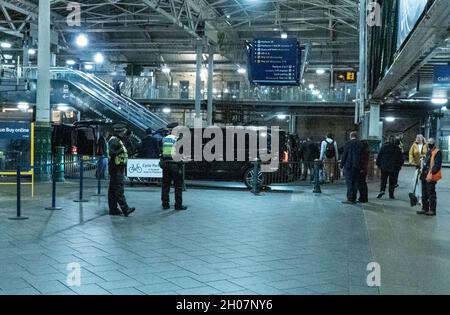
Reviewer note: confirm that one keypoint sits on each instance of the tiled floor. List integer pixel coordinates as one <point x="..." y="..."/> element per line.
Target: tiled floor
<point x="228" y="242"/>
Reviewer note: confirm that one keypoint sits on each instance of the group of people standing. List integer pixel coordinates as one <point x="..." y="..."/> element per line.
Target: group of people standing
<point x="424" y="155"/>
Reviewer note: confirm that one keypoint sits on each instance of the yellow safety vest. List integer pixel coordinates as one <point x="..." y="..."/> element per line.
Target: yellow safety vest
<point x="121" y="158"/>
<point x="169" y="146"/>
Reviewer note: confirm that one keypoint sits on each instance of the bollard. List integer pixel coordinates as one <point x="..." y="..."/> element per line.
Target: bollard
<point x="80" y="197"/>
<point x="184" y="174"/>
<point x="60" y="162"/>
<point x="255" y="188"/>
<point x="317" y="189"/>
<point x="99" y="187"/>
<point x="19" y="193"/>
<point x="54" y="179"/>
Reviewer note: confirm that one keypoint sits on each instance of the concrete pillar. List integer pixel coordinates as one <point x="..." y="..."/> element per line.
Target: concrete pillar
<point x="25" y="56"/>
<point x="43" y="126"/>
<point x="374" y="122"/>
<point x="362" y="60"/>
<point x="293" y="124"/>
<point x="198" y="79"/>
<point x="210" y="86"/>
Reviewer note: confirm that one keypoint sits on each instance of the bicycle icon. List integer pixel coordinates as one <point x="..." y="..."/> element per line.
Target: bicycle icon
<point x="135" y="169"/>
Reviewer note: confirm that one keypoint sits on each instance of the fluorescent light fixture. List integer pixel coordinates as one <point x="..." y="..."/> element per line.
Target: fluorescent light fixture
<point x="166" y="110"/>
<point x="439" y="101"/>
<point x="175" y="84"/>
<point x="284" y="35"/>
<point x="316" y="92"/>
<point x="444" y="108"/>
<point x="320" y="71"/>
<point x="320" y="96"/>
<point x="63" y="107"/>
<point x="23" y="106"/>
<point x="8" y="57"/>
<point x="32" y="51"/>
<point x="311" y="86"/>
<point x="70" y="62"/>
<point x="98" y="58"/>
<point x="82" y="40"/>
<point x="281" y="116"/>
<point x="88" y="67"/>
<point x="228" y="16"/>
<point x="215" y="91"/>
<point x="5" y="45"/>
<point x="390" y="119"/>
<point x="226" y="91"/>
<point x="241" y="70"/>
<point x="165" y="69"/>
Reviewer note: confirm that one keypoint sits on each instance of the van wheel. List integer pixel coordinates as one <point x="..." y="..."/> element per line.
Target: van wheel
<point x="249" y="175"/>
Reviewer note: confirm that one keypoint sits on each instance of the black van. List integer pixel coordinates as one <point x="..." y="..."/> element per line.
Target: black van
<point x="242" y="171"/>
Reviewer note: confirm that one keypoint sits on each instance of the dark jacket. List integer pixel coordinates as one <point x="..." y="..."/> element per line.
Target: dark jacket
<point x="437" y="163"/>
<point x="365" y="161"/>
<point x="150" y="148"/>
<point x="310" y="151"/>
<point x="390" y="158"/>
<point x="351" y="158"/>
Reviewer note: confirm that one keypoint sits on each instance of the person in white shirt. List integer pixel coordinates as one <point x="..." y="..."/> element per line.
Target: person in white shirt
<point x="329" y="156"/>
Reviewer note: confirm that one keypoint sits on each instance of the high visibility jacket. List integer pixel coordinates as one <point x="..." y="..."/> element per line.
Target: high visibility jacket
<point x="117" y="151"/>
<point x="168" y="146"/>
<point x="437" y="176"/>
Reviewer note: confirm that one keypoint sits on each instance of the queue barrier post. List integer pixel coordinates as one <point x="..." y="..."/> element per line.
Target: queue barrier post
<point x="54" y="179"/>
<point x="317" y="189"/>
<point x="80" y="196"/>
<point x="256" y="168"/>
<point x="19" y="195"/>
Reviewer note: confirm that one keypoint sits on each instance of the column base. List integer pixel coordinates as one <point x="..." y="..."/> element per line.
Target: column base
<point x="42" y="151"/>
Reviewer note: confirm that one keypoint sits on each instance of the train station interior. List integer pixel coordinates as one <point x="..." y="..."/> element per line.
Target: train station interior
<point x="305" y="146"/>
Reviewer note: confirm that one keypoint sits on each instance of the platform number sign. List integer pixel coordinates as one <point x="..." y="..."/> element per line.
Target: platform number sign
<point x="346" y="76"/>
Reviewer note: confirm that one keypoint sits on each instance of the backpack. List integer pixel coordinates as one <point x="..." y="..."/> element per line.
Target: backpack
<point x="330" y="151"/>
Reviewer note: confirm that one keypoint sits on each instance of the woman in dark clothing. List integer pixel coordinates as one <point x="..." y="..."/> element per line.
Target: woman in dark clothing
<point x="362" y="185"/>
<point x="390" y="161"/>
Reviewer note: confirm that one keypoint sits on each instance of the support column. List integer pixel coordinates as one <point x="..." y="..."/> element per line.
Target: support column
<point x="210" y="86"/>
<point x="362" y="61"/>
<point x="293" y="125"/>
<point x="26" y="56"/>
<point x="43" y="129"/>
<point x="198" y="80"/>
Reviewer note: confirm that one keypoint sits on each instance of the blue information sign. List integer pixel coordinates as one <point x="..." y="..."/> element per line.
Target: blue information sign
<point x="275" y="61"/>
<point x="15" y="145"/>
<point x="441" y="76"/>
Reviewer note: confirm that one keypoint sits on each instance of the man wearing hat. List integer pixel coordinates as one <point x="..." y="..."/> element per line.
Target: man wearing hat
<point x="150" y="147"/>
<point x="172" y="171"/>
<point x="118" y="158"/>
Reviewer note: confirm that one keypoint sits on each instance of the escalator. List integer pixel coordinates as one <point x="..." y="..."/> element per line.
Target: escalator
<point x="90" y="96"/>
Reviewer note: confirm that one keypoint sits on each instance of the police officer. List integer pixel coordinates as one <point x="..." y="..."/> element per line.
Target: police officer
<point x="172" y="171"/>
<point x="118" y="158"/>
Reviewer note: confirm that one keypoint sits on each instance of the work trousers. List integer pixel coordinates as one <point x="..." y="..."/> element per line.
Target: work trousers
<point x="116" y="192"/>
<point x="172" y="173"/>
<point x="352" y="181"/>
<point x="429" y="197"/>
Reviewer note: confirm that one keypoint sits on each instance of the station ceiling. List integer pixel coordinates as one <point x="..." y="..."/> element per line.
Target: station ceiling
<point x="153" y="32"/>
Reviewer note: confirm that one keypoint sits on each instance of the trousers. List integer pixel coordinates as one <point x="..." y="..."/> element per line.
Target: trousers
<point x="116" y="192"/>
<point x="172" y="173"/>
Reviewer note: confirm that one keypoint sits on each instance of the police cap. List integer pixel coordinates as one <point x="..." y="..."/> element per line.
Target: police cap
<point x="172" y="125"/>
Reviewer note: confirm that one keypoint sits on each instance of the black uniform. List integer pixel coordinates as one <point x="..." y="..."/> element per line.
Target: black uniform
<point x="351" y="163"/>
<point x="116" y="196"/>
<point x="172" y="172"/>
<point x="390" y="161"/>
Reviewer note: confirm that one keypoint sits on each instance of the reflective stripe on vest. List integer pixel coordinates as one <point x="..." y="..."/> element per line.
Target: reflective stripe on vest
<point x="121" y="158"/>
<point x="438" y="176"/>
<point x="169" y="146"/>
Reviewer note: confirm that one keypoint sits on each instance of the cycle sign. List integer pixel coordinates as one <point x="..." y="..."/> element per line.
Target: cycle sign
<point x="144" y="168"/>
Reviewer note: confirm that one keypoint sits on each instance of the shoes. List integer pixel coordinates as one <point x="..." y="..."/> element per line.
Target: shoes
<point x="166" y="207"/>
<point x="431" y="213"/>
<point x="421" y="212"/>
<point x="182" y="208"/>
<point x="129" y="211"/>
<point x="115" y="213"/>
<point x="391" y="197"/>
<point x="363" y="201"/>
<point x="348" y="202"/>
<point x="380" y="195"/>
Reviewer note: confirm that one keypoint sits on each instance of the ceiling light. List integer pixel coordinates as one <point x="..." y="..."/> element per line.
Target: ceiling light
<point x="63" y="107"/>
<point x="284" y="35"/>
<point x="320" y="96"/>
<point x="390" y="119"/>
<point x="311" y="86"/>
<point x="88" y="67"/>
<point x="70" y="62"/>
<point x="228" y="16"/>
<point x="82" y="40"/>
<point x="241" y="70"/>
<point x="98" y="58"/>
<point x="166" y="110"/>
<point x="444" y="108"/>
<point x="439" y="101"/>
<point x="320" y="71"/>
<point x="282" y="117"/>
<point x="316" y="92"/>
<point x="32" y="51"/>
<point x="5" y="45"/>
<point x="23" y="106"/>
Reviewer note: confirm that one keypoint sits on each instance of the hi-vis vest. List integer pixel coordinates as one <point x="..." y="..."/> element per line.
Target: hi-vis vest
<point x="168" y="146"/>
<point x="121" y="158"/>
<point x="438" y="176"/>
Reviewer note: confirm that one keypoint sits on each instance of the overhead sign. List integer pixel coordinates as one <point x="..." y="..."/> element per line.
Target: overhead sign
<point x="15" y="130"/>
<point x="275" y="61"/>
<point x="144" y="168"/>
<point x="346" y="76"/>
<point x="441" y="76"/>
<point x="409" y="12"/>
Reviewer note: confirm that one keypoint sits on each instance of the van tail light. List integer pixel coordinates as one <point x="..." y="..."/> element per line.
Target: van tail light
<point x="285" y="156"/>
<point x="74" y="150"/>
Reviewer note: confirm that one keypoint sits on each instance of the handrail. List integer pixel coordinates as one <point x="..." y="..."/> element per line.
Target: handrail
<point x="126" y="107"/>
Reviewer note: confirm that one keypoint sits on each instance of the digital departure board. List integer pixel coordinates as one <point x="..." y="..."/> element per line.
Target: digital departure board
<point x="275" y="61"/>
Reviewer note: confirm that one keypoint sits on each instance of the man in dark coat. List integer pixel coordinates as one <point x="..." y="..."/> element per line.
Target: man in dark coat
<point x="150" y="147"/>
<point x="310" y="152"/>
<point x="351" y="163"/>
<point x="390" y="161"/>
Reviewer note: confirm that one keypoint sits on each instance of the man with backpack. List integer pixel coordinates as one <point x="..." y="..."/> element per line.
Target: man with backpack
<point x="329" y="156"/>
